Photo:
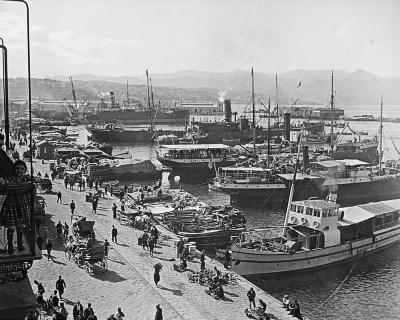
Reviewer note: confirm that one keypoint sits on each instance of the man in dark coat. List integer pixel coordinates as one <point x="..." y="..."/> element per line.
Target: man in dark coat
<point x="114" y="211"/>
<point x="114" y="233"/>
<point x="252" y="296"/>
<point x="159" y="315"/>
<point x="60" y="286"/>
<point x="78" y="310"/>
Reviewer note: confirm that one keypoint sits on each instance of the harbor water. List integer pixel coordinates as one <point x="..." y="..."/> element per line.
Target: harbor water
<point x="369" y="292"/>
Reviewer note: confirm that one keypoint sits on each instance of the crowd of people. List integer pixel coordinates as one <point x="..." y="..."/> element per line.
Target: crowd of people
<point x="55" y="301"/>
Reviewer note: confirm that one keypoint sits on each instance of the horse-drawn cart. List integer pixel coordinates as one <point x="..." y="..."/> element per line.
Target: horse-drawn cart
<point x="83" y="248"/>
<point x="83" y="229"/>
<point x="95" y="259"/>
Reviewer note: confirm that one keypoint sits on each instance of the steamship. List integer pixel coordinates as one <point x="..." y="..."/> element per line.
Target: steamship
<point x="137" y="115"/>
<point x="349" y="179"/>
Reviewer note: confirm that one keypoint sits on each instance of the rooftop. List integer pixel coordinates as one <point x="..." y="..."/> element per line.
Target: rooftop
<point x="195" y="146"/>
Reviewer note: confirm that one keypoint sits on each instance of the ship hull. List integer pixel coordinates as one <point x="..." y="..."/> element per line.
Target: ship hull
<point x="100" y="135"/>
<point x="139" y="117"/>
<point x="195" y="168"/>
<point x="350" y="191"/>
<point x="252" y="262"/>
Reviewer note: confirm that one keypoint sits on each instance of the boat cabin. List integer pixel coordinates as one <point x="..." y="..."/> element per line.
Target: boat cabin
<point x="368" y="219"/>
<point x="195" y="151"/>
<point x="347" y="168"/>
<point x="314" y="222"/>
<point x="246" y="175"/>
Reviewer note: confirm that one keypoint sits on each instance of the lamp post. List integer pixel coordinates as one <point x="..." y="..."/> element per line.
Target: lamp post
<point x="5" y="95"/>
<point x="2" y="56"/>
<point x="29" y="81"/>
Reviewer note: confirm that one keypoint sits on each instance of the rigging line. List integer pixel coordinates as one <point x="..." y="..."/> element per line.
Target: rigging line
<point x="394" y="145"/>
<point x="340" y="285"/>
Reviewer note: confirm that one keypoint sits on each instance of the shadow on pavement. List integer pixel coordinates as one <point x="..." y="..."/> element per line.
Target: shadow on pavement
<point x="109" y="275"/>
<point x="122" y="245"/>
<point x="68" y="302"/>
<point x="271" y="316"/>
<point x="226" y="299"/>
<point x="165" y="259"/>
<point x="176" y="292"/>
<point x="116" y="261"/>
<point x="231" y="294"/>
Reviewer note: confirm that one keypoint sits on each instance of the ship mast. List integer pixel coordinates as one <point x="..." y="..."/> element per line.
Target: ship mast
<point x="254" y="112"/>
<point x="73" y="93"/>
<point x="292" y="187"/>
<point x="148" y="98"/>
<point x="127" y="93"/>
<point x="268" y="131"/>
<point x="332" y="113"/>
<point x="152" y="104"/>
<point x="276" y="98"/>
<point x="380" y="138"/>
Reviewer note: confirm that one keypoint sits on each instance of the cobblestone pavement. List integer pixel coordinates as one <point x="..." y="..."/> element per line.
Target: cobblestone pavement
<point x="128" y="283"/>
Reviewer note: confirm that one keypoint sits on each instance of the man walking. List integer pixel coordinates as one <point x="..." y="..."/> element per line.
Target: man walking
<point x="60" y="286"/>
<point x="252" y="296"/>
<point x="49" y="246"/>
<point x="114" y="211"/>
<point x="66" y="230"/>
<point x="72" y="207"/>
<point x="59" y="196"/>
<point x="159" y="315"/>
<point x="59" y="229"/>
<point x="106" y="247"/>
<point x="94" y="205"/>
<point x="114" y="233"/>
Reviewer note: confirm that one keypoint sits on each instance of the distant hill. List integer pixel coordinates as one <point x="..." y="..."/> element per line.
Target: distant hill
<point x="351" y="88"/>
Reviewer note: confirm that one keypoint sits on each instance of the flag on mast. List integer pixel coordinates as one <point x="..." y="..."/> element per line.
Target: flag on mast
<point x="299" y="85"/>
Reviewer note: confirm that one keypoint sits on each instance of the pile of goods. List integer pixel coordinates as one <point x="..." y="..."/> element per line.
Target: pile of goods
<point x="210" y="218"/>
<point x="207" y="277"/>
<point x="183" y="199"/>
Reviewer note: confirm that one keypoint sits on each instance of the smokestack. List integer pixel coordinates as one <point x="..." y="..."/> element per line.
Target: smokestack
<point x="112" y="97"/>
<point x="287" y="126"/>
<point x="228" y="110"/>
<point x="306" y="159"/>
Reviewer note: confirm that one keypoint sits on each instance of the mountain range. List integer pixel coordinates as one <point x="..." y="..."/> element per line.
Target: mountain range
<point x="309" y="87"/>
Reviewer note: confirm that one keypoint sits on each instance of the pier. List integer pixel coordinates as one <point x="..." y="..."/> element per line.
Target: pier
<point x="128" y="282"/>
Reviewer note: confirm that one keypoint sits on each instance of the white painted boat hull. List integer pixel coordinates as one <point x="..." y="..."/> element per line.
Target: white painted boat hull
<point x="251" y="262"/>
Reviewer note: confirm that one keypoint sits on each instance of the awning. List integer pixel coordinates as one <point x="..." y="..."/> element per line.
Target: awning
<point x="377" y="208"/>
<point x="355" y="215"/>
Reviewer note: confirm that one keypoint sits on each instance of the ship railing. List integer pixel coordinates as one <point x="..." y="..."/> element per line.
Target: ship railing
<point x="255" y="235"/>
<point x="386" y="225"/>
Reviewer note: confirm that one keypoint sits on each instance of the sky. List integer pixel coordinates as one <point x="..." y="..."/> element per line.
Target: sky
<point x="125" y="37"/>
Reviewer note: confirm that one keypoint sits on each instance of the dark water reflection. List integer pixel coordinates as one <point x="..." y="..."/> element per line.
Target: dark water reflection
<point x="370" y="292"/>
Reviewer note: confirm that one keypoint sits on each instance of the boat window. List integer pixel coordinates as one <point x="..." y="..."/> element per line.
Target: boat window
<point x="293" y="208"/>
<point x="324" y="212"/>
<point x="388" y="218"/>
<point x="308" y="211"/>
<point x="317" y="212"/>
<point x="300" y="209"/>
